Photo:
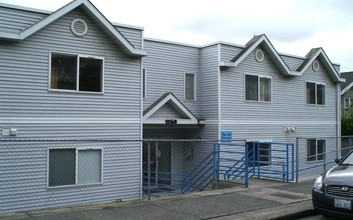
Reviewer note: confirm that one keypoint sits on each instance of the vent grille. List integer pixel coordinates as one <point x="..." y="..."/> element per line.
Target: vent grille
<point x="337" y="191"/>
<point x="259" y="55"/>
<point x="79" y="27"/>
<point x="316" y="65"/>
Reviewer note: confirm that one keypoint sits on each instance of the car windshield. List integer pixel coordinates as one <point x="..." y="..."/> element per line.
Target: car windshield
<point x="348" y="160"/>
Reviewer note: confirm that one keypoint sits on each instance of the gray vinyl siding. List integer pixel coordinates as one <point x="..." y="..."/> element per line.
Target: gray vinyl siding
<point x="166" y="66"/>
<point x="259" y="121"/>
<point x="14" y="20"/>
<point x="25" y="86"/>
<point x="24" y="176"/>
<point x="133" y="35"/>
<point x="229" y="52"/>
<point x="209" y="90"/>
<point x="167" y="111"/>
<point x="25" y="98"/>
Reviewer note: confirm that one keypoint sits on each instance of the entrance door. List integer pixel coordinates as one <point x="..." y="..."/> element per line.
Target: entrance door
<point x="157" y="162"/>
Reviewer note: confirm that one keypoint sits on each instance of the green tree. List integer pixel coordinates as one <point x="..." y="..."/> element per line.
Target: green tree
<point x="347" y="122"/>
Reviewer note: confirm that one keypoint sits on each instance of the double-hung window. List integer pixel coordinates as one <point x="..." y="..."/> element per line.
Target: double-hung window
<point x="190" y="86"/>
<point x="257" y="88"/>
<point x="315" y="149"/>
<point x="347" y="103"/>
<point x="72" y="166"/>
<point x="77" y="73"/>
<point x="315" y="93"/>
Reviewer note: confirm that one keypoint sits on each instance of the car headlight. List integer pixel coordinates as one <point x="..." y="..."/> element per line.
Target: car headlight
<point x="318" y="182"/>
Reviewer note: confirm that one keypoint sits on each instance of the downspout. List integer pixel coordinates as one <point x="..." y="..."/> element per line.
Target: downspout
<point x="219" y="92"/>
<point x="141" y="118"/>
<point x="338" y="117"/>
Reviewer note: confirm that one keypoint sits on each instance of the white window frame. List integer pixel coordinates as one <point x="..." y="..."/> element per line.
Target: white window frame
<point x="306" y="94"/>
<point x="316" y="150"/>
<point x="258" y="87"/>
<point x="76" y="166"/>
<point x="77" y="75"/>
<point x="349" y="103"/>
<point x="144" y="83"/>
<point x="194" y="87"/>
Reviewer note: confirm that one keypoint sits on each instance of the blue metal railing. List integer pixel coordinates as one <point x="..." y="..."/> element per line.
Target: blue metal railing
<point x="274" y="162"/>
<point x="230" y="161"/>
<point x="197" y="179"/>
<point x="235" y="165"/>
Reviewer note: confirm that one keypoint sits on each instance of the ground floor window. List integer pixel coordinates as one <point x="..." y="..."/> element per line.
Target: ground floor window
<point x="315" y="149"/>
<point x="72" y="166"/>
<point x="260" y="153"/>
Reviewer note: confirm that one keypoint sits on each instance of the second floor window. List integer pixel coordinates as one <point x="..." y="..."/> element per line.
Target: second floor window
<point x="257" y="88"/>
<point x="315" y="93"/>
<point x="76" y="73"/>
<point x="190" y="86"/>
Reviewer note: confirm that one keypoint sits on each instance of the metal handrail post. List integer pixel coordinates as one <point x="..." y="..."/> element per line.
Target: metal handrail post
<point x="149" y="170"/>
<point x="296" y="160"/>
<point x="246" y="166"/>
<point x="287" y="163"/>
<point x="292" y="162"/>
<point x="258" y="158"/>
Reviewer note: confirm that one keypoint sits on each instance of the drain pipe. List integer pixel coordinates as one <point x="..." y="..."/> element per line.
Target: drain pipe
<point x="338" y="117"/>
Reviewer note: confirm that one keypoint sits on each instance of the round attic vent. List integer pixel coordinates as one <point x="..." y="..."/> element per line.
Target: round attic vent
<point x="316" y="65"/>
<point x="79" y="27"/>
<point x="259" y="55"/>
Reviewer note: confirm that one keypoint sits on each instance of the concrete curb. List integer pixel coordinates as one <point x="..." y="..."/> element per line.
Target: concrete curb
<point x="287" y="211"/>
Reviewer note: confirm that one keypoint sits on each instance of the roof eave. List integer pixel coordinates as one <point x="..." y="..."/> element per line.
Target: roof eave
<point x="105" y="24"/>
<point x="269" y="48"/>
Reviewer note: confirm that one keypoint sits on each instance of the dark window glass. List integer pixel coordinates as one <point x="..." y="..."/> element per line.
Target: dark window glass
<point x="62" y="167"/>
<point x="310" y="93"/>
<point x="321" y="148"/>
<point x="251" y="87"/>
<point x="63" y="72"/>
<point x="311" y="150"/>
<point x="320" y="94"/>
<point x="90" y="78"/>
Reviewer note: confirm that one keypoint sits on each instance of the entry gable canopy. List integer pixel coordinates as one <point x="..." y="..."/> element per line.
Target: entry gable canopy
<point x="168" y="109"/>
<point x="89" y="8"/>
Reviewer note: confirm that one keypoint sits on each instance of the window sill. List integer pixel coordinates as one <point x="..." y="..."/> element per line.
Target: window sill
<point x="316" y="105"/>
<point x="314" y="162"/>
<point x="72" y="186"/>
<point x="74" y="92"/>
<point x="260" y="102"/>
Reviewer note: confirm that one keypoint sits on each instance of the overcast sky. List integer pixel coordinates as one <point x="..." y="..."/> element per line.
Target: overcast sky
<point x="293" y="26"/>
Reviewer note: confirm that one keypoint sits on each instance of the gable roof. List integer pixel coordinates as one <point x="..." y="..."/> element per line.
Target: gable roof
<point x="90" y="9"/>
<point x="168" y="97"/>
<point x="348" y="76"/>
<point x="320" y="54"/>
<point x="266" y="44"/>
<point x="262" y="40"/>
